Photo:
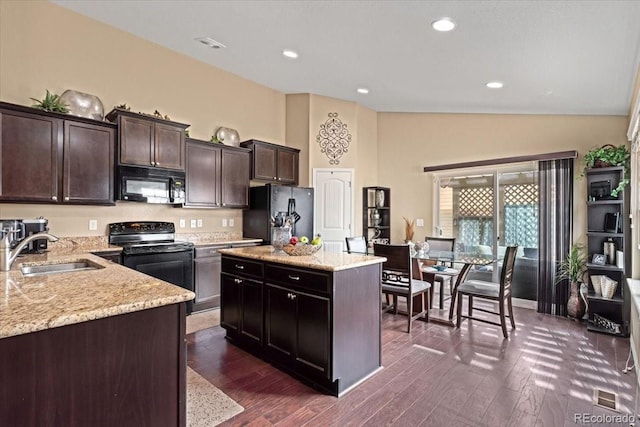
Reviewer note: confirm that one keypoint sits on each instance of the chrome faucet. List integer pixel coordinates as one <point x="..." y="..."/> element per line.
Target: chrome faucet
<point x="7" y="256"/>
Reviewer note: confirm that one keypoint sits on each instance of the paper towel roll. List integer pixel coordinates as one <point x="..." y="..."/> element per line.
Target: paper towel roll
<point x="619" y="259"/>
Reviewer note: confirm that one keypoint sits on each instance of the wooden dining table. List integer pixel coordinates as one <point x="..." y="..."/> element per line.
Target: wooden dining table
<point x="465" y="259"/>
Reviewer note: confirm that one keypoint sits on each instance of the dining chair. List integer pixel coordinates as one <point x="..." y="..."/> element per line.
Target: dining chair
<point x="397" y="280"/>
<point x="356" y="244"/>
<point x="499" y="292"/>
<point x="444" y="244"/>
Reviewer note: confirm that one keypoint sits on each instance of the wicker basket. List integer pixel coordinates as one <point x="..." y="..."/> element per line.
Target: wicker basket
<point x="301" y="249"/>
<point x="608" y="287"/>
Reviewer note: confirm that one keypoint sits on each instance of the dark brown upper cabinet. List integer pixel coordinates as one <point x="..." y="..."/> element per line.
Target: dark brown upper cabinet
<point x="149" y="141"/>
<point x="273" y="163"/>
<point x="55" y="158"/>
<point x="217" y="175"/>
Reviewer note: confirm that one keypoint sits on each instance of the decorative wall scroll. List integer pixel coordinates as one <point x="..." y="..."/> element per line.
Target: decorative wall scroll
<point x="333" y="138"/>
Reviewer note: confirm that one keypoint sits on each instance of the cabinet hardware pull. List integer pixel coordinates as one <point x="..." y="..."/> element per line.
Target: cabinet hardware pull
<point x="157" y="164"/>
<point x="294" y="277"/>
<point x="275" y="178"/>
<point x="153" y="163"/>
<point x="54" y="197"/>
<point x="293" y="296"/>
<point x="240" y="267"/>
<point x="224" y="204"/>
<point x="289" y="295"/>
<point x="238" y="281"/>
<point x="66" y="198"/>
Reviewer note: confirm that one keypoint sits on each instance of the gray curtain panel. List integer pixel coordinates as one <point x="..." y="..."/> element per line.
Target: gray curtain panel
<point x="556" y="224"/>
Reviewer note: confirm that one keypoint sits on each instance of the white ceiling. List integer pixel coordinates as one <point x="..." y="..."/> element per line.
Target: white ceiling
<point x="554" y="57"/>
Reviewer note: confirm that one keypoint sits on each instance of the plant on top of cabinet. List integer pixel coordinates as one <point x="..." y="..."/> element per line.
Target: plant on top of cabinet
<point x="51" y="102"/>
<point x="607" y="156"/>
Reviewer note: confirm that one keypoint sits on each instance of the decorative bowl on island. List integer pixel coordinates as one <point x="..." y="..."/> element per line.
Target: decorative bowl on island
<point x="301" y="250"/>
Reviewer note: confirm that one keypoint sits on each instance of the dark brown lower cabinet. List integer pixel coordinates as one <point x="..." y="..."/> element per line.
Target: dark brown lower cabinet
<point x="241" y="311"/>
<point x="125" y="370"/>
<point x="297" y="328"/>
<point x="320" y="326"/>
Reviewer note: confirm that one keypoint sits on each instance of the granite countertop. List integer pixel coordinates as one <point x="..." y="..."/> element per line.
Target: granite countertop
<point x="321" y="260"/>
<point x="36" y="303"/>
<point x="223" y="241"/>
<point x="98" y="244"/>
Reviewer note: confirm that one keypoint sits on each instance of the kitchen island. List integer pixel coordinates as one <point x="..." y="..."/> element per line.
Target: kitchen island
<point x="316" y="317"/>
<point x="104" y="346"/>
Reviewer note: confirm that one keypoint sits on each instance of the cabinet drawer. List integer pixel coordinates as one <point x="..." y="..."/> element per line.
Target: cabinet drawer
<point x="299" y="278"/>
<point x="208" y="251"/>
<point x="242" y="267"/>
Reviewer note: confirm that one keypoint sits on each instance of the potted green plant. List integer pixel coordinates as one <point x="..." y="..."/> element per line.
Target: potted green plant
<point x="51" y="102"/>
<point x="573" y="268"/>
<point x="606" y="156"/>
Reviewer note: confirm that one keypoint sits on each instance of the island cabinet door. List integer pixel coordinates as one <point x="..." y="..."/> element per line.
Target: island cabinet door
<point x="313" y="333"/>
<point x="251" y="324"/>
<point x="280" y="322"/>
<point x="230" y="302"/>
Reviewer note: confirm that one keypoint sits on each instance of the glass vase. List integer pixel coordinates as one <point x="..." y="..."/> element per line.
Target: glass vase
<point x="280" y="236"/>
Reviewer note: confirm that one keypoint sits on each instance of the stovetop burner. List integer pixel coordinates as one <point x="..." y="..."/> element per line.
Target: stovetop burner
<point x="146" y="237"/>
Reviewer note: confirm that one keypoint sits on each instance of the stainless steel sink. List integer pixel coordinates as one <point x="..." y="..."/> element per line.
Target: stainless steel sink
<point x="67" y="267"/>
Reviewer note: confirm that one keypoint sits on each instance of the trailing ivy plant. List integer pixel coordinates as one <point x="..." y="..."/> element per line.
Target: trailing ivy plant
<point x="51" y="102"/>
<point x="606" y="156"/>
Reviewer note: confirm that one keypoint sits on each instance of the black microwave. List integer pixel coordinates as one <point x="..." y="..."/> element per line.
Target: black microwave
<point x="149" y="185"/>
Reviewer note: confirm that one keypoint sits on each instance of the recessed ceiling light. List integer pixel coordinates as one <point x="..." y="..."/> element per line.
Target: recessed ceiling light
<point x="443" y="24"/>
<point x="363" y="90"/>
<point x="495" y="85"/>
<point x="208" y="41"/>
<point x="290" y="53"/>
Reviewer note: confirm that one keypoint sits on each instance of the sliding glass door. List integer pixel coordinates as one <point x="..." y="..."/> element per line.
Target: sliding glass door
<point x="486" y="211"/>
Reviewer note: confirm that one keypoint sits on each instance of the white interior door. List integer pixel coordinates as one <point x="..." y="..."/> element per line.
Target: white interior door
<point x="333" y="206"/>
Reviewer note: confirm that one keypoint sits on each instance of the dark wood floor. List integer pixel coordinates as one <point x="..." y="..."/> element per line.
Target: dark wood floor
<point x="438" y="376"/>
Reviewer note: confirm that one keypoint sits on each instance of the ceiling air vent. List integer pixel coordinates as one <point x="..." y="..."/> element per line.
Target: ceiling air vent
<point x="210" y="42"/>
<point x="605" y="399"/>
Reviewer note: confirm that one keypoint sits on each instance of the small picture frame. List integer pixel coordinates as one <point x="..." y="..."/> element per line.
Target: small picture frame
<point x="599" y="259"/>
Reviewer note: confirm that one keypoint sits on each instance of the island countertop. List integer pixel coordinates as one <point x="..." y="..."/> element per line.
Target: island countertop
<point x="36" y="303"/>
<point x="321" y="260"/>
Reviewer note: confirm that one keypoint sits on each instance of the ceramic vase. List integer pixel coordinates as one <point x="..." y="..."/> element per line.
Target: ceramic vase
<point x="379" y="198"/>
<point x="375" y="217"/>
<point x="575" y="304"/>
<point x="83" y="104"/>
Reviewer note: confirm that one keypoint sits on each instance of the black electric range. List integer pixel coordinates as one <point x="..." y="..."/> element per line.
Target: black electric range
<point x="150" y="247"/>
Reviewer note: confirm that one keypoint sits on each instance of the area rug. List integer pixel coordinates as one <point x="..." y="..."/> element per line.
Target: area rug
<point x="206" y="405"/>
<point x="202" y="320"/>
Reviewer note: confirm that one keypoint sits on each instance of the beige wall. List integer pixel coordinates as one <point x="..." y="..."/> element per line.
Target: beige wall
<point x="306" y="113"/>
<point x="409" y="142"/>
<point x="298" y="132"/>
<point x="44" y="46"/>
